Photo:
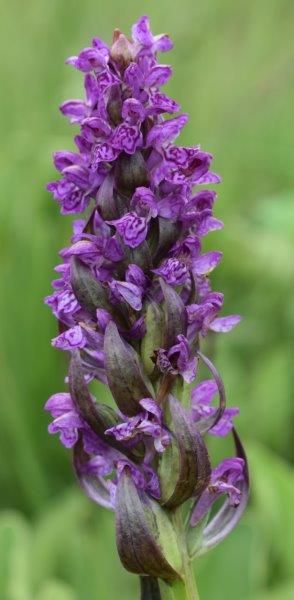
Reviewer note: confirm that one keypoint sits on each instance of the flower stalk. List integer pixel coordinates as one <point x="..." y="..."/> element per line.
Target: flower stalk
<point x="186" y="587"/>
<point x="133" y="302"/>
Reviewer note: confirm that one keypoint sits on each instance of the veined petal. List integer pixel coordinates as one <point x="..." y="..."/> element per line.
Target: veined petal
<point x="224" y="324"/>
<point x="206" y="263"/>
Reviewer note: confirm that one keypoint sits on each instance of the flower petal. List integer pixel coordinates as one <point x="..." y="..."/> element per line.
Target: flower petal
<point x="225" y="324"/>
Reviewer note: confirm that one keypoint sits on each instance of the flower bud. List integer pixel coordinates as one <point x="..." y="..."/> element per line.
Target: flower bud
<point x="99" y="417"/>
<point x="122" y="50"/>
<point x="175" y="315"/>
<point x="88" y="291"/>
<point x="114" y="105"/>
<point x="184" y="467"/>
<point x="167" y="235"/>
<point x="126" y="378"/>
<point x="106" y="199"/>
<point x="153" y="337"/>
<point x="130" y="172"/>
<point x="146" y="541"/>
<point x="139" y="256"/>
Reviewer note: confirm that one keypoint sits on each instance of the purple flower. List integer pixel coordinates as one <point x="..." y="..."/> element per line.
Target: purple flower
<point x="201" y="398"/>
<point x="91" y="59"/>
<point x="167" y="131"/>
<point x="69" y="196"/>
<point x="202" y="317"/>
<point x="224" y="324"/>
<point x="124" y="290"/>
<point x="144" y="203"/>
<point x="206" y="263"/>
<point x="142" y="35"/>
<point x="135" y="275"/>
<point x="70" y="339"/>
<point x="144" y="478"/>
<point x="66" y="421"/>
<point x="160" y="103"/>
<point x="149" y="422"/>
<point x="133" y="111"/>
<point x="132" y="228"/>
<point x="178" y="360"/>
<point x="223" y="481"/>
<point x="127" y="137"/>
<point x="173" y="271"/>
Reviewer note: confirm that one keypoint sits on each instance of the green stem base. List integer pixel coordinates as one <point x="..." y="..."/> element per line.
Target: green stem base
<point x="184" y="588"/>
<point x="180" y="590"/>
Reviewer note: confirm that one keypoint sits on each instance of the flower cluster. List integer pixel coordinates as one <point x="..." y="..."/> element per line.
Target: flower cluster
<point x="133" y="298"/>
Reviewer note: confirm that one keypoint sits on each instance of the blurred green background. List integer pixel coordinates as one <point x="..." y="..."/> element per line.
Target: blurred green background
<point x="233" y="72"/>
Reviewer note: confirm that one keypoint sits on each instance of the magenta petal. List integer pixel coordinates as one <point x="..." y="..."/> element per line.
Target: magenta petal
<point x="70" y="339"/>
<point x="204" y="392"/>
<point x="95" y="487"/>
<point x="206" y="263"/>
<point x="224" y="324"/>
<point x="127" y="137"/>
<point x="208" y="178"/>
<point x="159" y="75"/>
<point x="141" y="32"/>
<point x="225" y="424"/>
<point x="173" y="271"/>
<point x="161" y="103"/>
<point x="132" y="228"/>
<point x="128" y="292"/>
<point x="74" y="110"/>
<point x="59" y="404"/>
<point x="209" y="224"/>
<point x="166" y="131"/>
<point x="163" y="43"/>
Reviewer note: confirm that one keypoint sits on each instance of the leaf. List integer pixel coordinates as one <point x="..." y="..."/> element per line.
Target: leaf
<point x="140" y="256"/>
<point x="54" y="533"/>
<point x="15" y="552"/>
<point x="225" y="573"/>
<point x="273" y="500"/>
<point x="56" y="590"/>
<point x="284" y="591"/>
<point x="98" y="416"/>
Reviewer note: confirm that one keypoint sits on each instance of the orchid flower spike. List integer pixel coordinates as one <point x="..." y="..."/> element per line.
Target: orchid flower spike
<point x="133" y="302"/>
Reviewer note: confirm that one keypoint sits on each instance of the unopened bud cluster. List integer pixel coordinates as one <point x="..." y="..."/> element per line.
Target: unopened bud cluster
<point x="133" y="302"/>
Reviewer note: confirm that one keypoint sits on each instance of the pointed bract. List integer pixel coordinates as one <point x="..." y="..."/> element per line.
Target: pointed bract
<point x="127" y="381"/>
<point x="146" y="541"/>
